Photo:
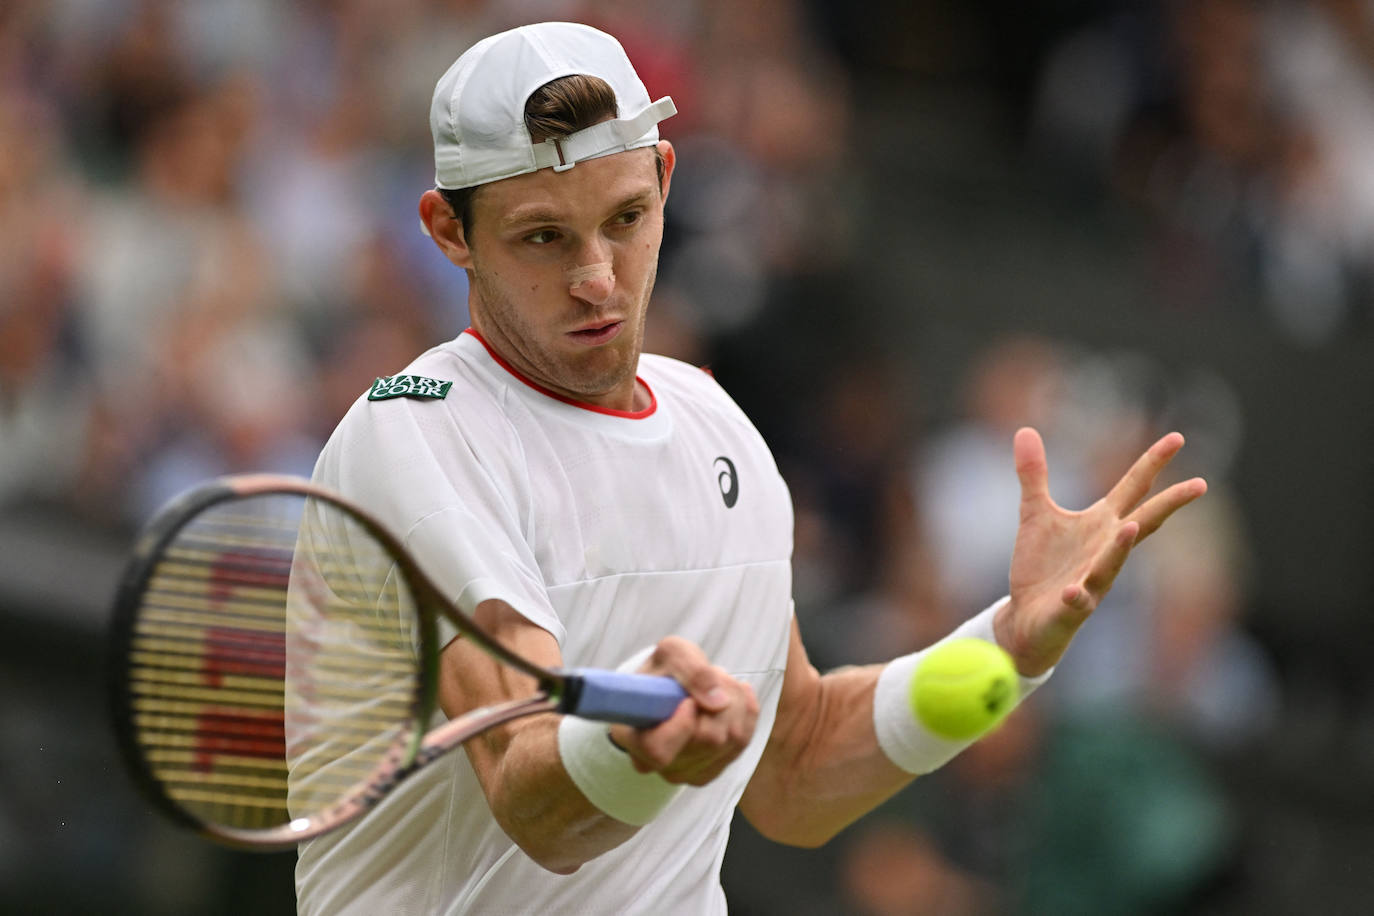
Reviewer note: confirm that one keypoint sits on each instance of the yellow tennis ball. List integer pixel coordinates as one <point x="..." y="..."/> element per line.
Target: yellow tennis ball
<point x="964" y="688"/>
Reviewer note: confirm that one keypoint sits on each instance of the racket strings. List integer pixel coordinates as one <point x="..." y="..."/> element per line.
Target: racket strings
<point x="273" y="664"/>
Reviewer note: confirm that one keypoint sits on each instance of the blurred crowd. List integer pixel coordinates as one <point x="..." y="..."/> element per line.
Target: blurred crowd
<point x="1244" y="128"/>
<point x="1103" y="795"/>
<point x="207" y="216"/>
<point x="209" y="248"/>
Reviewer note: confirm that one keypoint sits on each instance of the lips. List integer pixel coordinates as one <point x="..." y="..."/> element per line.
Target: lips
<point x="597" y="333"/>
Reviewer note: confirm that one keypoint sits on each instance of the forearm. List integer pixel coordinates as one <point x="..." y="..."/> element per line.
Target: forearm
<point x="536" y="802"/>
<point x="823" y="769"/>
<point x="846" y="742"/>
<point x="520" y="766"/>
<point x="557" y="785"/>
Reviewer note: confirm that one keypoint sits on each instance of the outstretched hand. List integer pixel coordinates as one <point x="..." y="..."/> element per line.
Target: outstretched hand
<point x="1064" y="562"/>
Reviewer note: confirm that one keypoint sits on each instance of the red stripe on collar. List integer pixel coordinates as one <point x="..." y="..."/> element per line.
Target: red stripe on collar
<point x="594" y="408"/>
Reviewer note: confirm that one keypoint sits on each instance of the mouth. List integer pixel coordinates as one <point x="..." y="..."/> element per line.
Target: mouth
<point x="597" y="333"/>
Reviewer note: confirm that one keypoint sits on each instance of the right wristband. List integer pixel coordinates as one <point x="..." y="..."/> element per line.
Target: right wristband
<point x="905" y="741"/>
<point x="603" y="772"/>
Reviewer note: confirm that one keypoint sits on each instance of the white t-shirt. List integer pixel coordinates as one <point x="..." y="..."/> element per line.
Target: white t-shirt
<point x="610" y="530"/>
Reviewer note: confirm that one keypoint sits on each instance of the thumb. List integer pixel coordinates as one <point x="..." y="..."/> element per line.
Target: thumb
<point x="1028" y="452"/>
<point x="684" y="661"/>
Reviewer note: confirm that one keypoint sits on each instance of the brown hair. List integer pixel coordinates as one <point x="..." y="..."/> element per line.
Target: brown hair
<point x="563" y="107"/>
<point x="552" y="112"/>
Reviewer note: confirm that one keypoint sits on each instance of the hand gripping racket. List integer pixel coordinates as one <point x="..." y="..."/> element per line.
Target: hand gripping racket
<point x="274" y="664"/>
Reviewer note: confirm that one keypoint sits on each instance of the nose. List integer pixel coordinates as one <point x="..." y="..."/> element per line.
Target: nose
<point x="592" y="283"/>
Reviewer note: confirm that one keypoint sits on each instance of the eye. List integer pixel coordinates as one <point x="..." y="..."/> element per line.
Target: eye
<point x="542" y="237"/>
<point x="628" y="218"/>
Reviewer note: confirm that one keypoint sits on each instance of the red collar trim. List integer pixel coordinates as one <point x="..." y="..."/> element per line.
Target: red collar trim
<point x="594" y="408"/>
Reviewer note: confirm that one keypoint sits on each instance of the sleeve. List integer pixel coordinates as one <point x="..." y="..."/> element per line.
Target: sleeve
<point x="451" y="481"/>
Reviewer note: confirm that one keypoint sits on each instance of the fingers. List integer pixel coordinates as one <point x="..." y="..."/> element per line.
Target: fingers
<point x="655" y="748"/>
<point x="1132" y="487"/>
<point x="1085" y="595"/>
<point x="693" y="746"/>
<point x="683" y="661"/>
<point x="1028" y="450"/>
<point x="706" y="732"/>
<point x="1157" y="510"/>
<point x="1065" y="563"/>
<point x="1107" y="565"/>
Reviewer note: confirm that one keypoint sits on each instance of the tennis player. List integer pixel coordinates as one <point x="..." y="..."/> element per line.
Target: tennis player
<point x="593" y="505"/>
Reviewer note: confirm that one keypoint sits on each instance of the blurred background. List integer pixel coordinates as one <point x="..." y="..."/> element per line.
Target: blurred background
<point x="898" y="232"/>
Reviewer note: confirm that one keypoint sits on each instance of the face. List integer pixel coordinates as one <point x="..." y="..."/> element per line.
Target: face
<point x="562" y="267"/>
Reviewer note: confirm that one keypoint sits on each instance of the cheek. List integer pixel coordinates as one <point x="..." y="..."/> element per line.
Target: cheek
<point x="519" y="281"/>
<point x="643" y="256"/>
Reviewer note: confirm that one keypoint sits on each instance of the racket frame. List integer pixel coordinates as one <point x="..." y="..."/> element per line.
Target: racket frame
<point x="558" y="690"/>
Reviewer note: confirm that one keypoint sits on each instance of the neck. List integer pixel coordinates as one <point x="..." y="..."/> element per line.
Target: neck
<point x="637" y="401"/>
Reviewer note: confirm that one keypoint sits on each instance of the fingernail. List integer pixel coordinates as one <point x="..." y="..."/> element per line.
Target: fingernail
<point x="717" y="696"/>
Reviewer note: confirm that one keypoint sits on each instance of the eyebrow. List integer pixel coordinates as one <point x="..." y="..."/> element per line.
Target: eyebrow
<point x="534" y="215"/>
<point x="537" y="213"/>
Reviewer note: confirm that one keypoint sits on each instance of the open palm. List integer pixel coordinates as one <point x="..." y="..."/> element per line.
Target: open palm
<point x="1065" y="562"/>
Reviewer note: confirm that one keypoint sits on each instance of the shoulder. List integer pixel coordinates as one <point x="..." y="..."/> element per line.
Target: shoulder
<point x="440" y="401"/>
<point x="668" y="367"/>
<point x="441" y="382"/>
<point x="678" y="381"/>
<point x="433" y="435"/>
<point x="701" y="407"/>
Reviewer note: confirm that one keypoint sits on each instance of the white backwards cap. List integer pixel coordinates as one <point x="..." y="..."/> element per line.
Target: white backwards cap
<point x="478" y="114"/>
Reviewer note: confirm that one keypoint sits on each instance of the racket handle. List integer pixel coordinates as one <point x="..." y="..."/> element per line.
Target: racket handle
<point x="640" y="700"/>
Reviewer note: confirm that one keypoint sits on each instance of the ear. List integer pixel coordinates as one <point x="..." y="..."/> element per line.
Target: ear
<point x="441" y="224"/>
<point x="665" y="149"/>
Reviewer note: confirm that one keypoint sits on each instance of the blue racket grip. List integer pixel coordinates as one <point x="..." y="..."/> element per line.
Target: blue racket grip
<point x="640" y="700"/>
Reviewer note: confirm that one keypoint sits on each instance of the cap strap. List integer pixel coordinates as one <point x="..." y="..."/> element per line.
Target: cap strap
<point x="599" y="139"/>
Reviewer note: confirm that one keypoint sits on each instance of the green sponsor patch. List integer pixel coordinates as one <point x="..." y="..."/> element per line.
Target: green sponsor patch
<point x="407" y="386"/>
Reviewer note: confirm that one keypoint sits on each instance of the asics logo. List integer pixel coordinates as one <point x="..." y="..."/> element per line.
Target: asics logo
<point x="728" y="481"/>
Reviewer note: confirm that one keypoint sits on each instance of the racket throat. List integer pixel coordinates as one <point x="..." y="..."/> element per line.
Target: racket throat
<point x="566" y="689"/>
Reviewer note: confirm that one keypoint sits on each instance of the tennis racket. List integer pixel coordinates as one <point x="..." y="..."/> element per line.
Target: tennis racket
<point x="274" y="664"/>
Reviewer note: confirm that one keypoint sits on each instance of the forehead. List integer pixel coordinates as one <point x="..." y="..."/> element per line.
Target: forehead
<point x="586" y="190"/>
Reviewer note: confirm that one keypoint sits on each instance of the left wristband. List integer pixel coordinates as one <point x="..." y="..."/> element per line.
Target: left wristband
<point x="905" y="741"/>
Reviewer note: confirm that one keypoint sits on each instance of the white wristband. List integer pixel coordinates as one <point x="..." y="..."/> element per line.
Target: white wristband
<point x="906" y="742"/>
<point x="604" y="773"/>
